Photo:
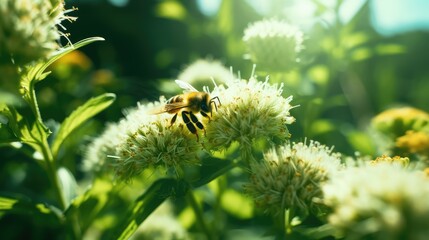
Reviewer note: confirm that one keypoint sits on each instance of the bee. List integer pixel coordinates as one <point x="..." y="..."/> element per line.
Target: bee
<point x="188" y="104"/>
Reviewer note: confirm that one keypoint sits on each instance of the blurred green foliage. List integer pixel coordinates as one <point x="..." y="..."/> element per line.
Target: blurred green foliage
<point x="348" y="74"/>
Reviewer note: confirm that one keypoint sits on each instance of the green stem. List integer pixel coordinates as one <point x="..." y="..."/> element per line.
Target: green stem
<point x="46" y="150"/>
<point x="52" y="173"/>
<point x="199" y="214"/>
<point x="219" y="216"/>
<point x="287" y="221"/>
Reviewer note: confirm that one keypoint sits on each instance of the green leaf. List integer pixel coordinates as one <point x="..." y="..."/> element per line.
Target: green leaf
<point x="25" y="129"/>
<point x="361" y="142"/>
<point x="355" y="39"/>
<point x="210" y="169"/>
<point x="79" y="116"/>
<point x="86" y="207"/>
<point x="237" y="204"/>
<point x="321" y="232"/>
<point x="18" y="204"/>
<point x="390" y="49"/>
<point x="173" y="10"/>
<point x="37" y="73"/>
<point x="322" y="126"/>
<point x="68" y="185"/>
<point x="157" y="193"/>
<point x="9" y="98"/>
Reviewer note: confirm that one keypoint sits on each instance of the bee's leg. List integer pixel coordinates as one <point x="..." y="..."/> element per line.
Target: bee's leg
<point x="212" y="101"/>
<point x="189" y="124"/>
<point x="205" y="115"/>
<point x="195" y="120"/>
<point x="173" y="120"/>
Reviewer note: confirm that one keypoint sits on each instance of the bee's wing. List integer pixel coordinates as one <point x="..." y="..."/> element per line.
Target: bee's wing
<point x="186" y="86"/>
<point x="170" y="107"/>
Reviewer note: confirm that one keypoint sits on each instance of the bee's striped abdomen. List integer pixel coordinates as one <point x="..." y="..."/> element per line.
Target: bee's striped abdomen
<point x="175" y="99"/>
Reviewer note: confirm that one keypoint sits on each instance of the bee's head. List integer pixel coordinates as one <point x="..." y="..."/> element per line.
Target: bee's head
<point x="206" y="104"/>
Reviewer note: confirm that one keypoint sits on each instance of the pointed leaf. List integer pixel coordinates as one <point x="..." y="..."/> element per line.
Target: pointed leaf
<point x="25" y="128"/>
<point x="68" y="185"/>
<point x="64" y="51"/>
<point x="157" y="193"/>
<point x="87" y="207"/>
<point x="212" y="168"/>
<point x="237" y="204"/>
<point x="37" y="73"/>
<point x="79" y="116"/>
<point x="18" y="204"/>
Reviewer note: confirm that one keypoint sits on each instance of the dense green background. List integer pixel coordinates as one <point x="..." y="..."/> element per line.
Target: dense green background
<point x="146" y="44"/>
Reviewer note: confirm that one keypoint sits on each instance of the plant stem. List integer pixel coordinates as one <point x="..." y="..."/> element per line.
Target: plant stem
<point x="46" y="150"/>
<point x="52" y="172"/>
<point x="287" y="221"/>
<point x="199" y="214"/>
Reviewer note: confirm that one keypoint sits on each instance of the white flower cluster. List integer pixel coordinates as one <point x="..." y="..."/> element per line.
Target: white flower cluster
<point x="28" y="29"/>
<point x="198" y="74"/>
<point x="382" y="201"/>
<point x="143" y="140"/>
<point x="273" y="45"/>
<point x="290" y="177"/>
<point x="202" y="70"/>
<point x="250" y="110"/>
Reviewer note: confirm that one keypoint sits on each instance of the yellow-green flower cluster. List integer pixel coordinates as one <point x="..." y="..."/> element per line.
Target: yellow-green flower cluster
<point x="405" y="131"/>
<point x="290" y="177"/>
<point x="382" y="201"/>
<point x="28" y="29"/>
<point x="415" y="142"/>
<point x="144" y="140"/>
<point x="396" y="160"/>
<point x="274" y="45"/>
<point x="396" y="121"/>
<point x="250" y="110"/>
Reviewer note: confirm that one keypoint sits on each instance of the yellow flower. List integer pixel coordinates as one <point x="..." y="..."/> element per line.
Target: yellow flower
<point x="414" y="142"/>
<point x="397" y="121"/>
<point x="396" y="160"/>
